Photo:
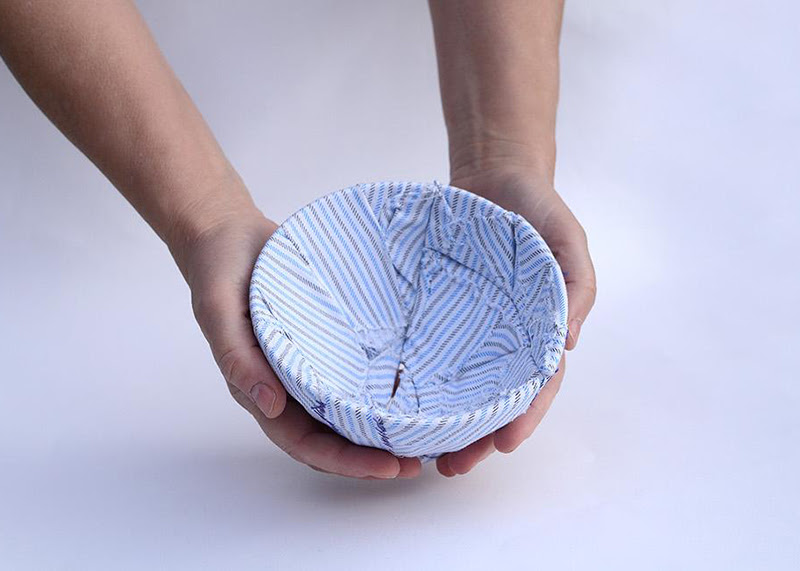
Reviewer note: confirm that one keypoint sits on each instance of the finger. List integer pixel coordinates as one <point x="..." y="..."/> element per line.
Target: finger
<point x="508" y="438"/>
<point x="580" y="298"/>
<point x="335" y="454"/>
<point x="580" y="279"/>
<point x="247" y="369"/>
<point x="304" y="439"/>
<point x="443" y="465"/>
<point x="335" y="474"/>
<point x="225" y="319"/>
<point x="467" y="458"/>
<point x="291" y="433"/>
<point x="409" y="467"/>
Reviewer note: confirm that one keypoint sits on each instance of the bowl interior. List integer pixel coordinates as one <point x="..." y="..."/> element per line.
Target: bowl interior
<point x="414" y="299"/>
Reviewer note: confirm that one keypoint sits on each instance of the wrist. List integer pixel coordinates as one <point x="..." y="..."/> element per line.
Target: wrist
<point x="496" y="157"/>
<point x="214" y="202"/>
<point x="507" y="174"/>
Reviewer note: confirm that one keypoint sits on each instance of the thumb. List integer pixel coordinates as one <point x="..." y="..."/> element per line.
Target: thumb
<point x="579" y="277"/>
<point x="224" y="317"/>
<point x="580" y="298"/>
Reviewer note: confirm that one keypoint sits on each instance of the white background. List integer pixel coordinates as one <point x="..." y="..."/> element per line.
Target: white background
<point x="673" y="443"/>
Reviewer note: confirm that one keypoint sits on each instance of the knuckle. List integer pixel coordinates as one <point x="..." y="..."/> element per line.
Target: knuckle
<point x="244" y="401"/>
<point x="228" y="363"/>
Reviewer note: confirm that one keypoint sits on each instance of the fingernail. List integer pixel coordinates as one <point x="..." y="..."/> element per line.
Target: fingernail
<point x="264" y="397"/>
<point x="386" y="477"/>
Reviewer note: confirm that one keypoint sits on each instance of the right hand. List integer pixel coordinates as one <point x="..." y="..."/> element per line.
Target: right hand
<point x="217" y="265"/>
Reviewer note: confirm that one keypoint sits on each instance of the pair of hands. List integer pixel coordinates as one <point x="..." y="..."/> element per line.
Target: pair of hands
<point x="218" y="263"/>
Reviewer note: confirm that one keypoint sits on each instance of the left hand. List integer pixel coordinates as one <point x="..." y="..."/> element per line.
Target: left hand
<point x="535" y="199"/>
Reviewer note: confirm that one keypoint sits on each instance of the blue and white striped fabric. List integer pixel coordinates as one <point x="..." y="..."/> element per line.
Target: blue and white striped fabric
<point x="411" y="317"/>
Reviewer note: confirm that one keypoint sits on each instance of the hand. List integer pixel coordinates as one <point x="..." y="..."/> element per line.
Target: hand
<point x="217" y="265"/>
<point x="536" y="200"/>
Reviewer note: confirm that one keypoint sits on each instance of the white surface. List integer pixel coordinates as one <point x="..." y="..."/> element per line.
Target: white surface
<point x="673" y="442"/>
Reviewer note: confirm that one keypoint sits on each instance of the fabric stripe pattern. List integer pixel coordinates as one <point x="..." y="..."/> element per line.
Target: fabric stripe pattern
<point x="412" y="317"/>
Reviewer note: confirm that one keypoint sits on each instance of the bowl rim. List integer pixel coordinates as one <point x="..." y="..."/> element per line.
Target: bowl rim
<point x="320" y="391"/>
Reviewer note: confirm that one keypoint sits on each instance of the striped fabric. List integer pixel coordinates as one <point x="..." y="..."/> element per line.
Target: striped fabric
<point x="411" y="317"/>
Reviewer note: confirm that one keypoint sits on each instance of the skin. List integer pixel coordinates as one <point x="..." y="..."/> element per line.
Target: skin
<point x="498" y="74"/>
<point x="95" y="70"/>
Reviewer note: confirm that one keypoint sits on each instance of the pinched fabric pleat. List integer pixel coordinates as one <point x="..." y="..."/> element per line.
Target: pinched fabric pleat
<point x="411" y="317"/>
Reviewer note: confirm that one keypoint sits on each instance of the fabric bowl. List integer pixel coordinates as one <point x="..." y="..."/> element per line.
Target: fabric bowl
<point x="412" y="317"/>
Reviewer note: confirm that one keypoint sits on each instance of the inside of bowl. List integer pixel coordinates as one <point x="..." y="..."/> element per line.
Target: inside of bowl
<point x="414" y="299"/>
